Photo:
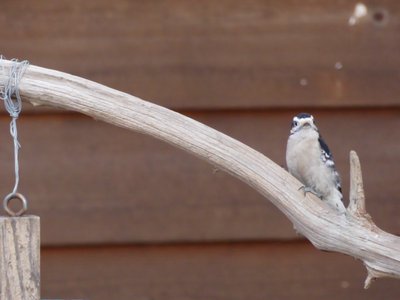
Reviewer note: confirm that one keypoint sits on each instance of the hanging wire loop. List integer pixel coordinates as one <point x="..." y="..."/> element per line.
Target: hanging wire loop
<point x="19" y="197"/>
<point x="10" y="78"/>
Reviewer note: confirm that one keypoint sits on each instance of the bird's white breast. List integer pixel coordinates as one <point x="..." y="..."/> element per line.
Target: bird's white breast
<point x="303" y="158"/>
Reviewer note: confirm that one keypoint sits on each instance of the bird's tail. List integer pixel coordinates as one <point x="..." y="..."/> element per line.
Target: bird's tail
<point x="335" y="200"/>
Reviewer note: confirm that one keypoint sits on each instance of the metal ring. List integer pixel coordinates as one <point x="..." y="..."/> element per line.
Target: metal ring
<point x="21" y="198"/>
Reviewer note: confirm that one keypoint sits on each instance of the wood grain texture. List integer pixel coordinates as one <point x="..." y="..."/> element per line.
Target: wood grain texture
<point x="197" y="272"/>
<point x="20" y="258"/>
<point x="94" y="183"/>
<point x="215" y="54"/>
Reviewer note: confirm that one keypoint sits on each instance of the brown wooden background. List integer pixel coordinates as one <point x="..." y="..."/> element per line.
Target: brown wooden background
<point x="125" y="216"/>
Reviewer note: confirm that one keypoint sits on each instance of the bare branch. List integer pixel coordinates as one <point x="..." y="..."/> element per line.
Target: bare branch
<point x="357" y="197"/>
<point x="325" y="228"/>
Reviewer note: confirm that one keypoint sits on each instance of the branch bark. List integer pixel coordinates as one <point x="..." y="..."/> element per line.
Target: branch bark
<point x="352" y="233"/>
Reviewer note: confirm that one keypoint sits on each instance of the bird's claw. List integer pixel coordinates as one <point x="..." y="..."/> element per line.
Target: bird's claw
<point x="307" y="189"/>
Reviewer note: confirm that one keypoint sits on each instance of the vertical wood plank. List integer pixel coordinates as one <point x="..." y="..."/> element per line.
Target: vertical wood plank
<point x="20" y="258"/>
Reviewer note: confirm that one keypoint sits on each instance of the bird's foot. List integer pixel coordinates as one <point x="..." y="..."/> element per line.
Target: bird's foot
<point x="307" y="189"/>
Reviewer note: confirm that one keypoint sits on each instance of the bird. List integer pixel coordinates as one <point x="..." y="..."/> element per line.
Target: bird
<point x="309" y="159"/>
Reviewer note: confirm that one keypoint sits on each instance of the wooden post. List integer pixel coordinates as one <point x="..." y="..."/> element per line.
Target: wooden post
<point x="20" y="258"/>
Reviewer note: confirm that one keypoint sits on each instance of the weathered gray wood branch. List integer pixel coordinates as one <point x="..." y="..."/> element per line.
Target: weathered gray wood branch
<point x="352" y="233"/>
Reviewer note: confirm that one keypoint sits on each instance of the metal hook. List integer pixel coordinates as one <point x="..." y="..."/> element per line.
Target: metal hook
<point x="21" y="198"/>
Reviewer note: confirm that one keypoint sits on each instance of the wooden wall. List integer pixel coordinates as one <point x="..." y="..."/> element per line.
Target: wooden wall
<point x="125" y="216"/>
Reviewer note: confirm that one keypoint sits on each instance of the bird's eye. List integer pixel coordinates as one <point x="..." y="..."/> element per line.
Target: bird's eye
<point x="295" y="123"/>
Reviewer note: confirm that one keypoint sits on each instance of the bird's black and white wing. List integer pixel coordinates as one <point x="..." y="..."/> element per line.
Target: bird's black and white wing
<point x="327" y="158"/>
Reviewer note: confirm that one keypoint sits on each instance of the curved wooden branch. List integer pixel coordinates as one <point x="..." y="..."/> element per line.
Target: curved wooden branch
<point x="352" y="233"/>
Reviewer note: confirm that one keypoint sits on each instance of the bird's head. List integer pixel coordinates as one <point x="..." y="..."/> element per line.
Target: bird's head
<point x="303" y="121"/>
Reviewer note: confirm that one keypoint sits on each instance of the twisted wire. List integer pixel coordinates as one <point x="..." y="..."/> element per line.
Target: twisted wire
<point x="9" y="92"/>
